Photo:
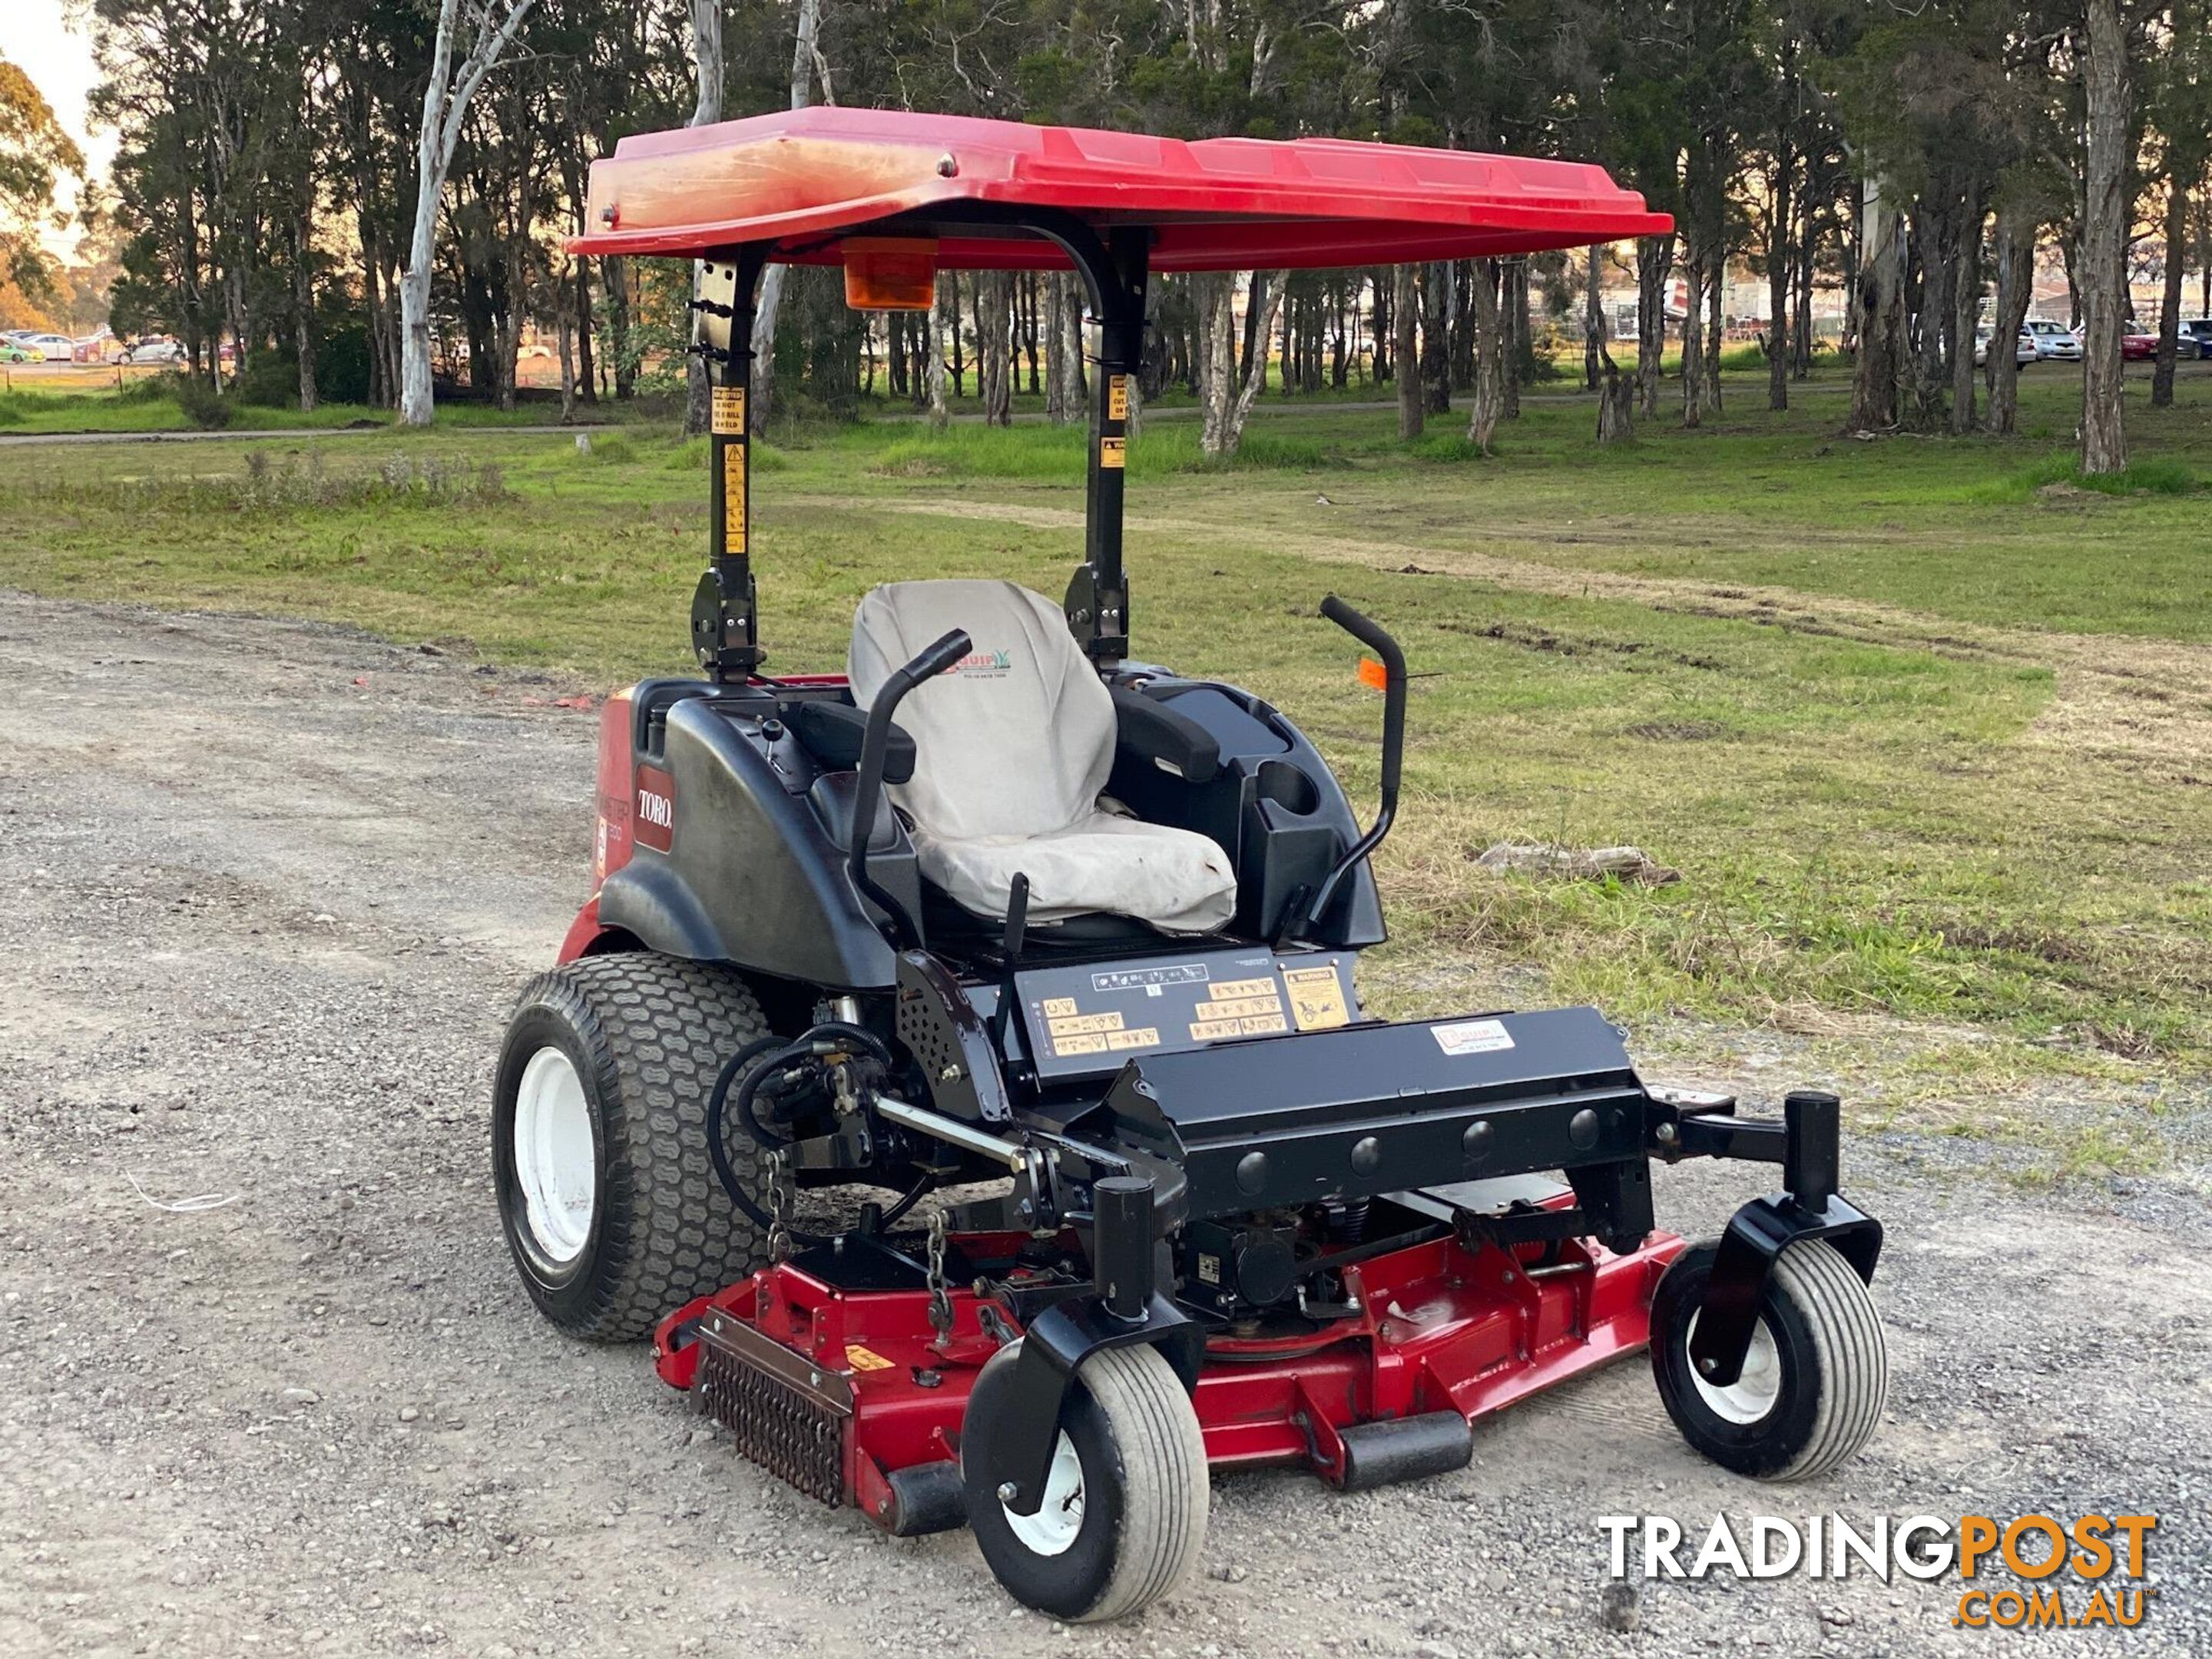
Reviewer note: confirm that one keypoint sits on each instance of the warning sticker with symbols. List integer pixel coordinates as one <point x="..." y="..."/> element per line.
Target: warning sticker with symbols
<point x="865" y="1359"/>
<point x="1059" y="1007"/>
<point x="1316" y="998"/>
<point x="729" y="411"/>
<point x="1117" y="397"/>
<point x="1084" y="1025"/>
<point x="1114" y="453"/>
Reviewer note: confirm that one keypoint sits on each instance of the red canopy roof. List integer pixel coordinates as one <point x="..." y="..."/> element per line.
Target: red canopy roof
<point x="805" y="179"/>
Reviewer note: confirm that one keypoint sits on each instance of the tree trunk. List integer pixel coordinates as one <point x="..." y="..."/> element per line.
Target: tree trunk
<point x="1965" y="306"/>
<point x="1593" y="319"/>
<point x="586" y="369"/>
<point x="1715" y="327"/>
<point x="940" y="416"/>
<point x="1435" y="284"/>
<point x="994" y="345"/>
<point x="303" y="309"/>
<point x="1693" y="337"/>
<point x="1520" y="363"/>
<point x="1877" y="315"/>
<point x="1406" y="349"/>
<point x="1261" y="303"/>
<point x="1490" y="365"/>
<point x="613" y="277"/>
<point x="1655" y="263"/>
<point x="1777" y="289"/>
<point x="2169" y="300"/>
<point x="2104" y="277"/>
<point x="2015" y="239"/>
<point x="1055" y="358"/>
<point x="565" y="328"/>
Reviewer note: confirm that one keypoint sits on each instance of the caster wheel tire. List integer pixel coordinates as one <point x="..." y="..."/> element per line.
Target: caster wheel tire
<point x="1813" y="1384"/>
<point x="606" y="1190"/>
<point x="1125" y="1507"/>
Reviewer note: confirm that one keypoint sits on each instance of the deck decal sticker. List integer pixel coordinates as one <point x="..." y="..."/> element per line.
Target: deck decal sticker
<point x="1472" y="1037"/>
<point x="729" y="407"/>
<point x="1114" y="453"/>
<point x="1117" y="397"/>
<point x="1316" y="998"/>
<point x="865" y="1359"/>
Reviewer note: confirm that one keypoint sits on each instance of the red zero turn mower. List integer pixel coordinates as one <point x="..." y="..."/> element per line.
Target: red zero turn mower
<point x="1087" y="973"/>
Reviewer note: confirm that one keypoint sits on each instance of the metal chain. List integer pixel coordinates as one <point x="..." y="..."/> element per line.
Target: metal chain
<point x="778" y="1166"/>
<point x="940" y="1298"/>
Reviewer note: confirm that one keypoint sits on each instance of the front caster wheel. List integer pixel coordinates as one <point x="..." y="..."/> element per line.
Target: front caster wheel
<point x="1125" y="1504"/>
<point x="1812" y="1383"/>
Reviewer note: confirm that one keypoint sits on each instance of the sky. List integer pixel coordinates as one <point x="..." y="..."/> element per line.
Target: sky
<point x="39" y="40"/>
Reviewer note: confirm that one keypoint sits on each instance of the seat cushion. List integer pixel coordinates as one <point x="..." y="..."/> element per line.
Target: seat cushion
<point x="1178" y="881"/>
<point x="1012" y="745"/>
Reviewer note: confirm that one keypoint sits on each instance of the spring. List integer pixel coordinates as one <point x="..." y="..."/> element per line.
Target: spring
<point x="1347" y="1218"/>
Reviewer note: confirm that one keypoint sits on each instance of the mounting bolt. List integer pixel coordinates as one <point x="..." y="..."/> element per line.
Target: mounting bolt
<point x="1008" y="1492"/>
<point x="948" y="166"/>
<point x="1666" y="1134"/>
<point x="950" y="1074"/>
<point x="1707" y="1367"/>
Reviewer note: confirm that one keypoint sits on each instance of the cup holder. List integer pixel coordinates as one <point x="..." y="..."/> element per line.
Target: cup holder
<point x="1287" y="787"/>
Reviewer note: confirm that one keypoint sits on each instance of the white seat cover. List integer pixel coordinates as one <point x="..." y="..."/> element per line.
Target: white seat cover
<point x="1013" y="745"/>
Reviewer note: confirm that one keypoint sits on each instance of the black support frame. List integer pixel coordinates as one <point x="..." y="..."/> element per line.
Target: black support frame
<point x="724" y="608"/>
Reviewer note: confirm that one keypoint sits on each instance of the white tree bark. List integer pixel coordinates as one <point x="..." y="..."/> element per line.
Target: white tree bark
<point x="706" y="110"/>
<point x="804" y="55"/>
<point x="493" y="24"/>
<point x="940" y="416"/>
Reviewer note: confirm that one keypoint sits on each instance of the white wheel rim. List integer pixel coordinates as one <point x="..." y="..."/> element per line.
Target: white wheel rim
<point x="1053" y="1528"/>
<point x="554" y="1162"/>
<point x="1753" y="1395"/>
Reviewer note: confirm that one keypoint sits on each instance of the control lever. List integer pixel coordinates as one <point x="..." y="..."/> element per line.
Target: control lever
<point x="1371" y="634"/>
<point x="868" y="785"/>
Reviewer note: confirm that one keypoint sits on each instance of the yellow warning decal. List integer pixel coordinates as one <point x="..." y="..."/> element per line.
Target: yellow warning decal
<point x="865" y="1359"/>
<point x="1063" y="1045"/>
<point x="1117" y="397"/>
<point x="1316" y="998"/>
<point x="1082" y="1024"/>
<point x="1228" y="990"/>
<point x="1263" y="1026"/>
<point x="729" y="411"/>
<point x="1114" y="453"/>
<point x="1238" y="1008"/>
<point x="734" y="499"/>
<point x="1059" y="1007"/>
<point x="1209" y="1030"/>
<point x="1145" y="1036"/>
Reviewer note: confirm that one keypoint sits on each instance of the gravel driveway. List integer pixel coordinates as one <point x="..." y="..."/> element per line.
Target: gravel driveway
<point x="273" y="886"/>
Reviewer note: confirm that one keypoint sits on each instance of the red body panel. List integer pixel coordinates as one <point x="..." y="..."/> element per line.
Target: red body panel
<point x="1444" y="1329"/>
<point x="1214" y="205"/>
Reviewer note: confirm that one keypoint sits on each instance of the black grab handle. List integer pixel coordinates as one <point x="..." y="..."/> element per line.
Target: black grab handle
<point x="1370" y="634"/>
<point x="867" y="787"/>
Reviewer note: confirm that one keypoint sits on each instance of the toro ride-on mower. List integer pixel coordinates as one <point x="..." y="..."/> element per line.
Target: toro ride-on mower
<point x="1008" y="920"/>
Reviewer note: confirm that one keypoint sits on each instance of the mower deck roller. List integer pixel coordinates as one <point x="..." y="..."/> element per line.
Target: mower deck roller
<point x="1048" y="956"/>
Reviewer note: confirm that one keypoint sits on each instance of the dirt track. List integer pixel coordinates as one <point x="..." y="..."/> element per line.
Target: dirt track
<point x="273" y="886"/>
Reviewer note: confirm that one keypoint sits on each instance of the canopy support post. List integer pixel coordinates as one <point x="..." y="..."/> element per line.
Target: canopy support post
<point x="1098" y="601"/>
<point x="725" y="609"/>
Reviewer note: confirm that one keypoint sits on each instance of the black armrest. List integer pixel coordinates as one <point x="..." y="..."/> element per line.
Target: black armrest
<point x="1176" y="742"/>
<point x="832" y="732"/>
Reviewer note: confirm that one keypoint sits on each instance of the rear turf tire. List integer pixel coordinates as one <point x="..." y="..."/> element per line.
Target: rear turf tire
<point x="1131" y="1453"/>
<point x="608" y="1061"/>
<point x="1812" y="1389"/>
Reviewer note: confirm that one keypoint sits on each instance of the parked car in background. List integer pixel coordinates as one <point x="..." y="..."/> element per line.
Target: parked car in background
<point x="2054" y="340"/>
<point x="2136" y="347"/>
<point x="157" y="349"/>
<point x="58" y="348"/>
<point x="2023" y="348"/>
<point x="14" y="351"/>
<point x="2197" y="332"/>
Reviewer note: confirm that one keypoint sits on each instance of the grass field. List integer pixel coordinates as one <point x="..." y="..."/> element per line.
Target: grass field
<point x="1926" y="729"/>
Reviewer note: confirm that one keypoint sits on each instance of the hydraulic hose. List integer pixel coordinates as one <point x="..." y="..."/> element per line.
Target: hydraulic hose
<point x="759" y="1060"/>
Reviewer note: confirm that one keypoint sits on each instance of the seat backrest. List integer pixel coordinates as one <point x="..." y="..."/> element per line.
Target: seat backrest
<point x="1015" y="739"/>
